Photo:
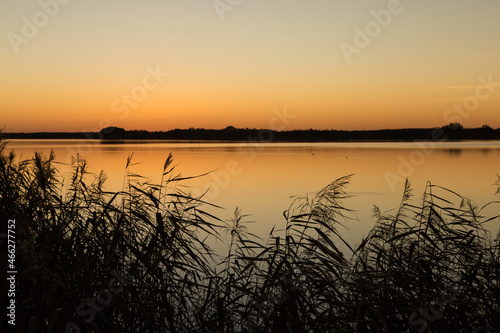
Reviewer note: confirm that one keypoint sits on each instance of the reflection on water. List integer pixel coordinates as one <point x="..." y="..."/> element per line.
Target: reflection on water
<point x="454" y="152"/>
<point x="486" y="151"/>
<point x="261" y="177"/>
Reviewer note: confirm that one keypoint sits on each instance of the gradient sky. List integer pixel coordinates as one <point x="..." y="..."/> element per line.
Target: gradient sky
<point x="72" y="74"/>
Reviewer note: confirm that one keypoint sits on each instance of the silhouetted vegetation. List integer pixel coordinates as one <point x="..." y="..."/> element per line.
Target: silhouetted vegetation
<point x="137" y="260"/>
<point x="452" y="131"/>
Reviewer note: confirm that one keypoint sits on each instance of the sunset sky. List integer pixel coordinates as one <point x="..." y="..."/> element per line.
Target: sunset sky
<point x="80" y="65"/>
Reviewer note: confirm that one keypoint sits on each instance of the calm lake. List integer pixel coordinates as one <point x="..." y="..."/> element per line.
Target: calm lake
<point x="260" y="178"/>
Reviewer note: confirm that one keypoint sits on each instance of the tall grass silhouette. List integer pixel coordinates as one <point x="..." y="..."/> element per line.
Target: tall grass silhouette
<point x="430" y="266"/>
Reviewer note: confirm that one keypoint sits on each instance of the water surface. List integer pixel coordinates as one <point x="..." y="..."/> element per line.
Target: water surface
<point x="260" y="177"/>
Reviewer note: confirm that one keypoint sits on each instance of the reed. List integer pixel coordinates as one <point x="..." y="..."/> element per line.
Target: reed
<point x="137" y="260"/>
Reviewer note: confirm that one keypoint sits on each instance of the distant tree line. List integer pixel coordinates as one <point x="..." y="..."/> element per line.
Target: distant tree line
<point x="453" y="131"/>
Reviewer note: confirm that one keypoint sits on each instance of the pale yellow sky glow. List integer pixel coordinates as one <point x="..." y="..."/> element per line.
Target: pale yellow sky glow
<point x="70" y="65"/>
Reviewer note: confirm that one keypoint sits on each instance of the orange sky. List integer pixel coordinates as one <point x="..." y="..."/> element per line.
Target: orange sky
<point x="79" y="66"/>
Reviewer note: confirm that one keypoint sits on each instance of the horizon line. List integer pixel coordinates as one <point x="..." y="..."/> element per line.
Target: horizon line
<point x="247" y="128"/>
